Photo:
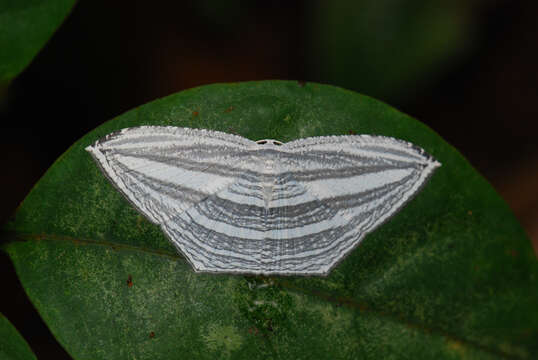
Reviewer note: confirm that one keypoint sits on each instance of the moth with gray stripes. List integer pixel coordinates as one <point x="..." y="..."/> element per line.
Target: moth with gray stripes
<point x="232" y="205"/>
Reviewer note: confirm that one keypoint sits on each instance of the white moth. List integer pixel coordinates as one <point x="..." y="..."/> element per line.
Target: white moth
<point x="233" y="205"/>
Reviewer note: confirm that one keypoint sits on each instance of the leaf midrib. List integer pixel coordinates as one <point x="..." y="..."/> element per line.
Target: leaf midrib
<point x="82" y="241"/>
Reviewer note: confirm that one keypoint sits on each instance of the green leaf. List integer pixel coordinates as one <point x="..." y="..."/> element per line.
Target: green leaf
<point x="25" y="27"/>
<point x="12" y="345"/>
<point x="451" y="276"/>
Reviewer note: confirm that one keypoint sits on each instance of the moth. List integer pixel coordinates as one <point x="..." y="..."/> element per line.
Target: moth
<point x="233" y="205"/>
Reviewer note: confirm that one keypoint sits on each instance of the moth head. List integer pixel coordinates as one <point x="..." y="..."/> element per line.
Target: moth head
<point x="270" y="142"/>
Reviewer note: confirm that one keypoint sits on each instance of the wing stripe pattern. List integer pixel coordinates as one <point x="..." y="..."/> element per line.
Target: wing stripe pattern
<point x="232" y="205"/>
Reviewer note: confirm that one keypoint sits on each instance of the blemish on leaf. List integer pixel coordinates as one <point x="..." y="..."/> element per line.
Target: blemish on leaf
<point x="130" y="281"/>
<point x="139" y="220"/>
<point x="265" y="304"/>
<point x="456" y="346"/>
<point x="515" y="351"/>
<point x="301" y="83"/>
<point x="222" y="338"/>
<point x="469" y="213"/>
<point x="351" y="132"/>
<point x="195" y="113"/>
<point x="229" y="109"/>
<point x="151" y="335"/>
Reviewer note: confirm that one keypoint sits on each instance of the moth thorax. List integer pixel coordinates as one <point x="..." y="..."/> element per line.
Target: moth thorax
<point x="269" y="164"/>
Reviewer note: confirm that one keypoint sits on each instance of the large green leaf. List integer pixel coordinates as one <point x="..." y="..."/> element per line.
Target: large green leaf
<point x="452" y="275"/>
<point x="12" y="345"/>
<point x="25" y="27"/>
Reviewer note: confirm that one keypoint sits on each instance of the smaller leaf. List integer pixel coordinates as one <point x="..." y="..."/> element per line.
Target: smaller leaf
<point x="12" y="345"/>
<point x="25" y="27"/>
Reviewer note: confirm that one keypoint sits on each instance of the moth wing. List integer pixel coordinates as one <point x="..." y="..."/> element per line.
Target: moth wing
<point x="163" y="171"/>
<point x="365" y="179"/>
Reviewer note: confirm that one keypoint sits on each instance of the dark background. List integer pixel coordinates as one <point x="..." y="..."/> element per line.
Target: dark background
<point x="465" y="68"/>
